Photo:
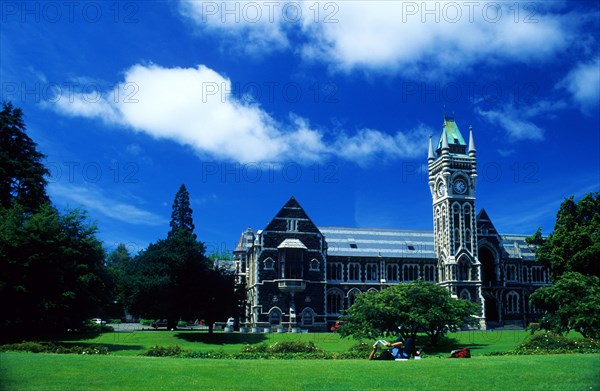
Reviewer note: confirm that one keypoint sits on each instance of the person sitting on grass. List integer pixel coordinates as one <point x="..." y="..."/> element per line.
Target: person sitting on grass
<point x="400" y="350"/>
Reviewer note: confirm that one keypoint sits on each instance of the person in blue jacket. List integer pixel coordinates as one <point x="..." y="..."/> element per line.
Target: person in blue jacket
<point x="399" y="350"/>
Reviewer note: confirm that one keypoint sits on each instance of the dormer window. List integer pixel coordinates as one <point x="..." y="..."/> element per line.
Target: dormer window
<point x="314" y="265"/>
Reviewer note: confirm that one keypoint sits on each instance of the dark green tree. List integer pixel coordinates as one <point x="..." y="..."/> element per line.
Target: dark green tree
<point x="572" y="252"/>
<point x="572" y="303"/>
<point x="52" y="274"/>
<point x="121" y="269"/>
<point x="169" y="276"/>
<point x="407" y="309"/>
<point x="219" y="295"/>
<point x="22" y="174"/>
<point x="181" y="215"/>
<point x="574" y="246"/>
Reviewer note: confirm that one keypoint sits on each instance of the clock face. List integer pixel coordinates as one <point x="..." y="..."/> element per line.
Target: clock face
<point x="441" y="189"/>
<point x="460" y="186"/>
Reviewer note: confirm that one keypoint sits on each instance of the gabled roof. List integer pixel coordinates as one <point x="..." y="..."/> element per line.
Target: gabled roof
<point x="292" y="210"/>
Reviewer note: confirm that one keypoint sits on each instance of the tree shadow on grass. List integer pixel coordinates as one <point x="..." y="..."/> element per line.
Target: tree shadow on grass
<point x="445" y="345"/>
<point x="223" y="338"/>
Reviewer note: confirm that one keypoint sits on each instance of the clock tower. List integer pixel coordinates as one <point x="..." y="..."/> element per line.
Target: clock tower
<point x="452" y="180"/>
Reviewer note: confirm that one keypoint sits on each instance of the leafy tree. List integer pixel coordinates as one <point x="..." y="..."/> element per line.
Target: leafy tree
<point x="121" y="269"/>
<point x="219" y="297"/>
<point x="572" y="252"/>
<point x="169" y="276"/>
<point x="181" y="215"/>
<point x="21" y="170"/>
<point x="406" y="309"/>
<point x="575" y="243"/>
<point x="572" y="303"/>
<point x="52" y="273"/>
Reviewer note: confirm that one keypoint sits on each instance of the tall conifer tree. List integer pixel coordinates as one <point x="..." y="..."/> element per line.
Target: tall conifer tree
<point x="21" y="170"/>
<point x="181" y="215"/>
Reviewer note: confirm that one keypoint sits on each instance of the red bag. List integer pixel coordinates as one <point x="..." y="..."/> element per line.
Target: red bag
<point x="460" y="353"/>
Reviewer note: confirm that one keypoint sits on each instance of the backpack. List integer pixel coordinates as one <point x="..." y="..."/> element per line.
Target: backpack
<point x="460" y="353"/>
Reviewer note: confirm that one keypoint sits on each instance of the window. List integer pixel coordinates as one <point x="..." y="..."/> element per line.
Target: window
<point x="410" y="272"/>
<point x="511" y="273"/>
<point x="429" y="271"/>
<point x="334" y="302"/>
<point x="334" y="271"/>
<point x="315" y="265"/>
<point x="354" y="272"/>
<point x="410" y="247"/>
<point x="392" y="272"/>
<point x="308" y="317"/>
<point x="353" y="245"/>
<point x="291" y="260"/>
<point x="512" y="302"/>
<point x="463" y="270"/>
<point x="352" y="296"/>
<point x="269" y="264"/>
<point x="292" y="225"/>
<point x="538" y="274"/>
<point x="275" y="317"/>
<point x="465" y="295"/>
<point x="372" y="272"/>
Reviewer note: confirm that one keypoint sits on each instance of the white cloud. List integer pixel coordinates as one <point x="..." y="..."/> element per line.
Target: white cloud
<point x="518" y="121"/>
<point x="191" y="106"/>
<point x="583" y="83"/>
<point x="94" y="199"/>
<point x="515" y="124"/>
<point x="369" y="144"/>
<point x="412" y="38"/>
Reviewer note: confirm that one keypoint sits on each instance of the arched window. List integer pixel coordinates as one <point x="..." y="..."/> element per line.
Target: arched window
<point x="335" y="301"/>
<point x="456" y="223"/>
<point x="354" y="272"/>
<point x="392" y="272"/>
<point x="308" y="317"/>
<point x="429" y="273"/>
<point x="352" y="296"/>
<point x="372" y="272"/>
<point x="465" y="295"/>
<point x="314" y="265"/>
<point x="275" y="316"/>
<point x="269" y="264"/>
<point x="463" y="269"/>
<point x="334" y="271"/>
<point x="512" y="302"/>
<point x="410" y="272"/>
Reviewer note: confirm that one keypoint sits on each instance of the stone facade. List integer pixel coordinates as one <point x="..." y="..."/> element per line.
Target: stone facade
<point x="299" y="275"/>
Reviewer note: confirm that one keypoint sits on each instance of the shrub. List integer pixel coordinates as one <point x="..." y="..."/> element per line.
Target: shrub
<point x="39" y="347"/>
<point x="166" y="351"/>
<point x="359" y="351"/>
<point x="114" y="321"/>
<point x="547" y="342"/>
<point x="146" y="322"/>
<point x="293" y="347"/>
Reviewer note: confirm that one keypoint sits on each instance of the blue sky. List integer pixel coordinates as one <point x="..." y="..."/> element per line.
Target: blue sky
<point x="249" y="103"/>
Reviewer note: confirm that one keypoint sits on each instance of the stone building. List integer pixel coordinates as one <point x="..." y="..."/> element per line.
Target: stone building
<point x="300" y="275"/>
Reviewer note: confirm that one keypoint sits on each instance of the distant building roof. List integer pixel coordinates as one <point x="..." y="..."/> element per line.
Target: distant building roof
<point x="395" y="243"/>
<point x="373" y="242"/>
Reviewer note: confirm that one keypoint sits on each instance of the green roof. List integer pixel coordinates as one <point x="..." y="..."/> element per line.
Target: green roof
<point x="452" y="133"/>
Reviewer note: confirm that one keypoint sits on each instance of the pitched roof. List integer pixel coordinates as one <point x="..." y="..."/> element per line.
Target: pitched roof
<point x="373" y="242"/>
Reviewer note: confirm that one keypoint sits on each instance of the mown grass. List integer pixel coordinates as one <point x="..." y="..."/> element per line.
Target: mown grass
<point x="136" y="342"/>
<point x="28" y="371"/>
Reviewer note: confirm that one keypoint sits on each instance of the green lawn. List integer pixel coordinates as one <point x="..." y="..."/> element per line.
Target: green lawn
<point x="28" y="371"/>
<point x="125" y="369"/>
<point x="133" y="343"/>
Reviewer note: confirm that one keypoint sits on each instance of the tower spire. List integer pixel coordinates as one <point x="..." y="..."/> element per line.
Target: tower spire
<point x="430" y="156"/>
<point x="472" y="149"/>
<point x="445" y="146"/>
